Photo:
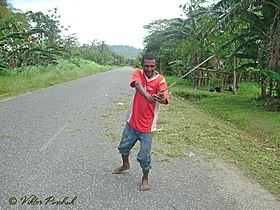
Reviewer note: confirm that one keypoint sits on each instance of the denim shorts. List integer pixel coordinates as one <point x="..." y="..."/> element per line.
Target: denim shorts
<point x="129" y="137"/>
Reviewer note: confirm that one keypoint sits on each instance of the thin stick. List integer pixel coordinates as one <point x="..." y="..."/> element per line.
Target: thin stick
<point x="187" y="73"/>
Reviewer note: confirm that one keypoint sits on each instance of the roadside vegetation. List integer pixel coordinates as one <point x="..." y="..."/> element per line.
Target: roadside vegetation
<point x="31" y="78"/>
<point x="228" y="127"/>
<point x="34" y="54"/>
<point x="243" y="37"/>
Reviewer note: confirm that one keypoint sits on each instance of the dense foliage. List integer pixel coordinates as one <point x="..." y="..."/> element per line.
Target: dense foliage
<point x="34" y="38"/>
<point x="244" y="36"/>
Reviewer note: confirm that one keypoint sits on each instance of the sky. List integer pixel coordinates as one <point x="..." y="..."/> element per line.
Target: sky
<point x="117" y="22"/>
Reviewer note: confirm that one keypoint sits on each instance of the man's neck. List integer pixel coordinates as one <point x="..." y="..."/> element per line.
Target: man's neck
<point x="155" y="74"/>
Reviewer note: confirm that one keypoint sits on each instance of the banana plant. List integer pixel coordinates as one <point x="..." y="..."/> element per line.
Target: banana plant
<point x="258" y="41"/>
<point x="31" y="46"/>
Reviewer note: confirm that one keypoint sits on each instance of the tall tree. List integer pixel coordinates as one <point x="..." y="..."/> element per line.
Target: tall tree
<point x="260" y="20"/>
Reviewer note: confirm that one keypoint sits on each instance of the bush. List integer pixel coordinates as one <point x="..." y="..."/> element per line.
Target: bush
<point x="171" y="79"/>
<point x="252" y="90"/>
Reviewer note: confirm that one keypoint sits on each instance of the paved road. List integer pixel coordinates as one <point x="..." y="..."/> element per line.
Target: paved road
<point x="54" y="145"/>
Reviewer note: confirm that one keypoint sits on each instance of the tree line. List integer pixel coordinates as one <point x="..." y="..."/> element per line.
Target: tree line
<point x="34" y="38"/>
<point x="243" y="35"/>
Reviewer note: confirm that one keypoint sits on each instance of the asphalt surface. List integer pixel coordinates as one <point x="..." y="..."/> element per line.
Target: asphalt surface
<point x="55" y="154"/>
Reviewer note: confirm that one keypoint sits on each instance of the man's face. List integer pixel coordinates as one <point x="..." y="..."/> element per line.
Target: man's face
<point x="149" y="67"/>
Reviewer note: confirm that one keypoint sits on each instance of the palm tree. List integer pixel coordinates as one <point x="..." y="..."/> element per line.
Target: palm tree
<point x="260" y="20"/>
<point x="192" y="33"/>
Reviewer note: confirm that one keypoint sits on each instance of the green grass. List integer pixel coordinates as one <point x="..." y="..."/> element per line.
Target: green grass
<point x="239" y="110"/>
<point x="172" y="79"/>
<point x="188" y="126"/>
<point x="232" y="127"/>
<point x="27" y="79"/>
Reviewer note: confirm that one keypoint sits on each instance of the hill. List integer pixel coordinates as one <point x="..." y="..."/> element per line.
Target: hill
<point x="126" y="51"/>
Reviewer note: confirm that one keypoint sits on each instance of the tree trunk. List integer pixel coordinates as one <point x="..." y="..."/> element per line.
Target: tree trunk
<point x="234" y="82"/>
<point x="223" y="82"/>
<point x="270" y="87"/>
<point x="161" y="69"/>
<point x="263" y="87"/>
<point x="272" y="49"/>
<point x="209" y="81"/>
<point x="195" y="62"/>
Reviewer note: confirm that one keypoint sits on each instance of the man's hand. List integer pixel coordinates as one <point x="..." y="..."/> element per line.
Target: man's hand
<point x="160" y="98"/>
<point x="150" y="98"/>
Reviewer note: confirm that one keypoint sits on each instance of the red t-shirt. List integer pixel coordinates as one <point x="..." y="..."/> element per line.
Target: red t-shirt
<point x="142" y="115"/>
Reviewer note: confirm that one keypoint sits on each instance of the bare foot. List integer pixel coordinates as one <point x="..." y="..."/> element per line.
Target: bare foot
<point x="120" y="169"/>
<point x="145" y="185"/>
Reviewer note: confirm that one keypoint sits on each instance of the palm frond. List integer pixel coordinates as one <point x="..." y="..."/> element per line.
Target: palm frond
<point x="246" y="65"/>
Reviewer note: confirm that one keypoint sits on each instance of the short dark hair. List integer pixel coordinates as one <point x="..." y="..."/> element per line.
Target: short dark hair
<point x="148" y="56"/>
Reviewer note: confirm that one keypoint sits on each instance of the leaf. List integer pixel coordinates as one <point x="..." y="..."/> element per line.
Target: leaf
<point x="271" y="74"/>
<point x="178" y="62"/>
<point x="246" y="65"/>
<point x="244" y="55"/>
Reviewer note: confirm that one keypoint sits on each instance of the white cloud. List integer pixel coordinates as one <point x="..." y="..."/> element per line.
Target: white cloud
<point x="112" y="21"/>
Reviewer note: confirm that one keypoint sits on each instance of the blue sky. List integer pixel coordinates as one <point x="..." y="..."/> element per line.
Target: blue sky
<point x="112" y="21"/>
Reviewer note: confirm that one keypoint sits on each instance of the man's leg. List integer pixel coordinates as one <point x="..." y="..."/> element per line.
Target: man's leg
<point x="125" y="165"/>
<point x="127" y="142"/>
<point x="144" y="158"/>
<point x="145" y="181"/>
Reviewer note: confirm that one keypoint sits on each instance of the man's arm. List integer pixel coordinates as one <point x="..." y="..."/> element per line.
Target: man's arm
<point x="139" y="87"/>
<point x="162" y="95"/>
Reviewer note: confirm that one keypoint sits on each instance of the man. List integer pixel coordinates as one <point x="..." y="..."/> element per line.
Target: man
<point x="142" y="116"/>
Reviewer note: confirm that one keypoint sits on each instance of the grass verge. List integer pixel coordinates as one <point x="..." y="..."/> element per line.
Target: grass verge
<point x="28" y="79"/>
<point x="229" y="126"/>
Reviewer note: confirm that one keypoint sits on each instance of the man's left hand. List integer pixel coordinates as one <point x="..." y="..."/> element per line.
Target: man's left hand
<point x="160" y="98"/>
